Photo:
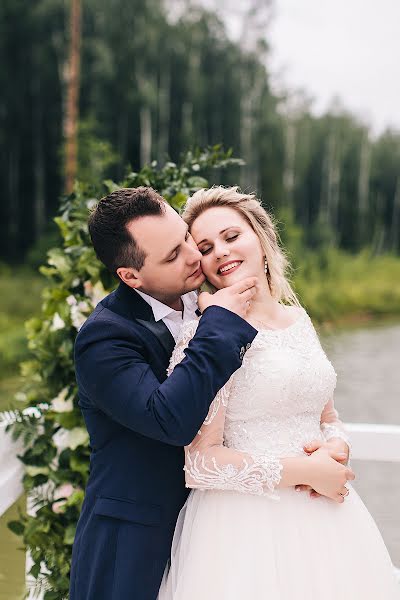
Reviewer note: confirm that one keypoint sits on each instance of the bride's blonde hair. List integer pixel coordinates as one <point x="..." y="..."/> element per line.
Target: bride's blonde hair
<point x="250" y="208"/>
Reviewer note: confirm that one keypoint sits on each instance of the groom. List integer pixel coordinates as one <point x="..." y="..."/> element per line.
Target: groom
<point x="137" y="419"/>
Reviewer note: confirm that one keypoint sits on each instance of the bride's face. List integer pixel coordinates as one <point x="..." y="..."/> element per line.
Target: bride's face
<point x="230" y="249"/>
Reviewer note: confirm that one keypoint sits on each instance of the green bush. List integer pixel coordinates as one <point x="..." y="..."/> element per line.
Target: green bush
<point x="334" y="285"/>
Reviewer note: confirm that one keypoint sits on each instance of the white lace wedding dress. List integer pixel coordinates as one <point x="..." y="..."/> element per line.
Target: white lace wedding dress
<point x="238" y="537"/>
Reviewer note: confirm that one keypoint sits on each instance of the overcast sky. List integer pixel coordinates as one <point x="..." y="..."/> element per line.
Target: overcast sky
<point x="345" y="48"/>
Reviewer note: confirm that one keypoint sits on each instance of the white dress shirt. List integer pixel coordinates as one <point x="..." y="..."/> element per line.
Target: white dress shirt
<point x="173" y="319"/>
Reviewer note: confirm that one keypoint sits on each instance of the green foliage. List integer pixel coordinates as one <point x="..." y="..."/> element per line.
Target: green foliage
<point x="56" y="452"/>
<point x="96" y="155"/>
<point x="333" y="284"/>
<point x="152" y="86"/>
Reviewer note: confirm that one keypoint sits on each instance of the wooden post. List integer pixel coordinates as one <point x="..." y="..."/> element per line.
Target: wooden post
<point x="72" y="97"/>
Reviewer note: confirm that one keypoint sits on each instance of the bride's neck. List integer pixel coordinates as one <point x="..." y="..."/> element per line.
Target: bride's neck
<point x="263" y="305"/>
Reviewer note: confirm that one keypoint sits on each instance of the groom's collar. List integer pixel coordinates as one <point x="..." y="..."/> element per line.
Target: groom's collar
<point x="142" y="312"/>
<point x="133" y="303"/>
<point x="160" y="310"/>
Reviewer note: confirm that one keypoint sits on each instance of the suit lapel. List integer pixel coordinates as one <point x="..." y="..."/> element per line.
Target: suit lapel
<point x="162" y="333"/>
<point x="142" y="312"/>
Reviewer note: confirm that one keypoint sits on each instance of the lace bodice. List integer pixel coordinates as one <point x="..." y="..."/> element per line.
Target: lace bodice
<point x="278" y="401"/>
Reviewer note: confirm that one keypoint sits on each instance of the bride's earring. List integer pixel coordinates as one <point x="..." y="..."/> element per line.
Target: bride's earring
<point x="265" y="265"/>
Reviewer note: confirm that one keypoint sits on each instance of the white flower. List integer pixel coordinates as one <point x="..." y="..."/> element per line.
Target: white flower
<point x="61" y="403"/>
<point x="71" y="300"/>
<point x="79" y="311"/>
<point x="70" y="438"/>
<point x="57" y="323"/>
<point x="32" y="411"/>
<point x="91" y="203"/>
<point x="95" y="293"/>
<point x="196" y="167"/>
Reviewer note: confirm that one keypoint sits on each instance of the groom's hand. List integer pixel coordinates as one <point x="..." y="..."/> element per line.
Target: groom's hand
<point x="235" y="298"/>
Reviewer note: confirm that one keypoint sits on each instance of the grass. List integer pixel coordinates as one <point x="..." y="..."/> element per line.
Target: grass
<point x="20" y="299"/>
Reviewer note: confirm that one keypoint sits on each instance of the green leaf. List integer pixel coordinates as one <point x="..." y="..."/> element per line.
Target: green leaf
<point x="50" y="595"/>
<point x="69" y="535"/>
<point x="197" y="182"/>
<point x="16" y="527"/>
<point x="111" y="186"/>
<point x="79" y="465"/>
<point x="35" y="570"/>
<point x="178" y="200"/>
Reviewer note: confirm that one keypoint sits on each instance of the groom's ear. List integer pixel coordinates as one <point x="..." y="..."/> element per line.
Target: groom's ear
<point x="129" y="276"/>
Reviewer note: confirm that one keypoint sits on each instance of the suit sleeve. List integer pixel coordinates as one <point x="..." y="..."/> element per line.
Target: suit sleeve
<point x="114" y="374"/>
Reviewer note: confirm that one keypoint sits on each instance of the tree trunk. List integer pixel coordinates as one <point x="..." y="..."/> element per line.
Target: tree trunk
<point x="13" y="199"/>
<point x="163" y="113"/>
<point x="145" y="135"/>
<point x="288" y="175"/>
<point x="363" y="189"/>
<point x="72" y="105"/>
<point x="395" y="227"/>
<point x="39" y="162"/>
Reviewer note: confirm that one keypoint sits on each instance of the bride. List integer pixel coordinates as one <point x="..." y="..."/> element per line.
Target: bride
<point x="245" y="531"/>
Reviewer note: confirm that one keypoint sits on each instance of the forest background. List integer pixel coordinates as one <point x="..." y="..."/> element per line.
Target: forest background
<point x="154" y="82"/>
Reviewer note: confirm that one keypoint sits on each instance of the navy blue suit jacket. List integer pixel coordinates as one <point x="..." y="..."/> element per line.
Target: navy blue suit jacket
<point x="138" y="420"/>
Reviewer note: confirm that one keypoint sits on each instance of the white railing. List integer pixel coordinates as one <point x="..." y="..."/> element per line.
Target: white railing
<point x="375" y="442"/>
<point x="369" y="442"/>
<point x="11" y="470"/>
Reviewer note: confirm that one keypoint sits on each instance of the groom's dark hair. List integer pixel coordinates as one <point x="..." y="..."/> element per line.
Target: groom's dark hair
<point x="113" y="243"/>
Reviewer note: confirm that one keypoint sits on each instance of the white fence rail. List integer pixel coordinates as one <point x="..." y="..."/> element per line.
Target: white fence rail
<point x="370" y="442"/>
<point x="375" y="442"/>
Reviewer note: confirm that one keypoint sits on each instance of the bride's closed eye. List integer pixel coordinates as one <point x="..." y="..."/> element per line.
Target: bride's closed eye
<point x="228" y="239"/>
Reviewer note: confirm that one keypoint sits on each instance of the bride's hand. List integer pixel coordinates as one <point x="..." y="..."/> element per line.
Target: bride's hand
<point x="327" y="476"/>
<point x="334" y="447"/>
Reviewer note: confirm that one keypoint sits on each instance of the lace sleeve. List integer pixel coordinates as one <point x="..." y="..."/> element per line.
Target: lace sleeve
<point x="211" y="465"/>
<point x="186" y="334"/>
<point x="331" y="425"/>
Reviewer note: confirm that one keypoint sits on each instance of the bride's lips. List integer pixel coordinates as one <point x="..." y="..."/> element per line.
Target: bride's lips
<point x="230" y="270"/>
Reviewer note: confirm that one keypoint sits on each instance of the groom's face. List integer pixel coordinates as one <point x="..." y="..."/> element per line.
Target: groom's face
<point x="172" y="265"/>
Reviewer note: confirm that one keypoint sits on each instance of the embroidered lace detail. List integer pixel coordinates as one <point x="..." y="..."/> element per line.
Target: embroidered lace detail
<point x="330" y="430"/>
<point x="187" y="332"/>
<point x="259" y="476"/>
<point x="221" y="399"/>
<point x="280" y="437"/>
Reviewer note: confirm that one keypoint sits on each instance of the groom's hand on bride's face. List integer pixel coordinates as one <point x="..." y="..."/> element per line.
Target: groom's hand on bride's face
<point x="236" y="298"/>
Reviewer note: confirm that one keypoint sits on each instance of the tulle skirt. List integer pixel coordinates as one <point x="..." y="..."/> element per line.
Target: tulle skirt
<point x="232" y="546"/>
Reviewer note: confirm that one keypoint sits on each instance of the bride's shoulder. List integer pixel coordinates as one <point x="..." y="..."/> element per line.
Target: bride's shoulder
<point x="295" y="311"/>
